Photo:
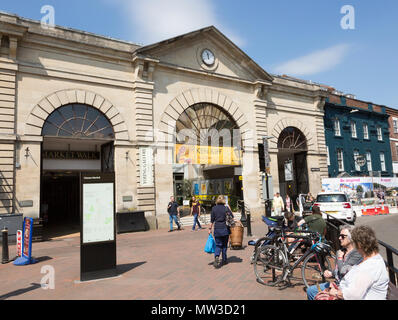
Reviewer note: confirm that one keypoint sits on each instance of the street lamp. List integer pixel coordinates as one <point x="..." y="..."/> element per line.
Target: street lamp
<point x="267" y="160"/>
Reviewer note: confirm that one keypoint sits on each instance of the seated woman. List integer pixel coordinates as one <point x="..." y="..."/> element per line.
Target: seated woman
<point x="369" y="279"/>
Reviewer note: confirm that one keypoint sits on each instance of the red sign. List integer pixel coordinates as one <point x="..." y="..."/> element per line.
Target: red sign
<point x="26" y="238"/>
<point x="19" y="243"/>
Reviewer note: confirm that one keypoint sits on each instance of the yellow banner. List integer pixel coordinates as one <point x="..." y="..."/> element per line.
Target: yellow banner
<point x="207" y="155"/>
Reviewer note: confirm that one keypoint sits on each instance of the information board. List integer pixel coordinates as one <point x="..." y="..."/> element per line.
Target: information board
<point x="98" y="226"/>
<point x="98" y="212"/>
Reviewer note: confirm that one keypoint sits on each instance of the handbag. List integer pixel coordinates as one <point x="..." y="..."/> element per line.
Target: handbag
<point x="325" y="294"/>
<point x="210" y="246"/>
<point x="229" y="221"/>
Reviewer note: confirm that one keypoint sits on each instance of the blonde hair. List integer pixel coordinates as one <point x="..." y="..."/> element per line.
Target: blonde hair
<point x="220" y="200"/>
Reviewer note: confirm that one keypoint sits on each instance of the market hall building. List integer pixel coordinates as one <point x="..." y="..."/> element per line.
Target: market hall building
<point x="72" y="101"/>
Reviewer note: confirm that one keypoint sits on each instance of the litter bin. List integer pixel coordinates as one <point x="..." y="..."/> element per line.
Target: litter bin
<point x="236" y="236"/>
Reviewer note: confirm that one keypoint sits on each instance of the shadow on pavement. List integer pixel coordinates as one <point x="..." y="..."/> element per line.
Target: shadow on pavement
<point x="18" y="292"/>
<point x="123" y="268"/>
<point x="41" y="259"/>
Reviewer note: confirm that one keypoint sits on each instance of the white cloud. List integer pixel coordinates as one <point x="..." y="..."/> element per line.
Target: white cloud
<point x="315" y="62"/>
<point x="156" y="20"/>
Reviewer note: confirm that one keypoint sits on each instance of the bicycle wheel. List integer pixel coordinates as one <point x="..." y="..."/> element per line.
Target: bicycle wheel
<point x="262" y="242"/>
<point x="313" y="267"/>
<point x="269" y="265"/>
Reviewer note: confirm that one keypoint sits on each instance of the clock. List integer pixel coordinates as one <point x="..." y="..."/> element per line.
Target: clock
<point x="208" y="57"/>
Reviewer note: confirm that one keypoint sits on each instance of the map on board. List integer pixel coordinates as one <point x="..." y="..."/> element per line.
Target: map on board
<point x="98" y="212"/>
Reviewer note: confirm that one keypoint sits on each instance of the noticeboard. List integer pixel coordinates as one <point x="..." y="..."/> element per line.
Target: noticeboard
<point x="98" y="212"/>
<point x="98" y="226"/>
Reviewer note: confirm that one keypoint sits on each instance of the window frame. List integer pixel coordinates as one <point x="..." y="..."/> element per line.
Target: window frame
<point x="340" y="152"/>
<point x="383" y="166"/>
<point x="366" y="132"/>
<point x="369" y="161"/>
<point x="336" y="127"/>
<point x="353" y="129"/>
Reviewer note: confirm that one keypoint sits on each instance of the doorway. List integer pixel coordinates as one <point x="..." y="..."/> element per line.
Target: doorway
<point x="292" y="164"/>
<point x="60" y="204"/>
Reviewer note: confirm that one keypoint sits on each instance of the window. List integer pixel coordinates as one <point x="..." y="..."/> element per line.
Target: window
<point x="336" y="127"/>
<point x="356" y="155"/>
<point x="369" y="161"/>
<point x="331" y="198"/>
<point x="395" y="124"/>
<point x="340" y="160"/>
<point x="353" y="129"/>
<point x="379" y="134"/>
<point x="365" y="131"/>
<point x="78" y="121"/>
<point x="382" y="161"/>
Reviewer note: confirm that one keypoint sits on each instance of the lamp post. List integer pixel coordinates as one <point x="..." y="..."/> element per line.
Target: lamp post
<point x="267" y="177"/>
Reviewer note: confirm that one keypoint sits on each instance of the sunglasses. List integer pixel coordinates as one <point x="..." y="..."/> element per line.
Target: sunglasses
<point x="343" y="236"/>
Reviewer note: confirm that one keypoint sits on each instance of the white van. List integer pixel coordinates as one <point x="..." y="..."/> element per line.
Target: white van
<point x="336" y="204"/>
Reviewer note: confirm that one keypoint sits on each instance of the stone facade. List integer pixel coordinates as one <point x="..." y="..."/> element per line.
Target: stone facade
<point x="142" y="91"/>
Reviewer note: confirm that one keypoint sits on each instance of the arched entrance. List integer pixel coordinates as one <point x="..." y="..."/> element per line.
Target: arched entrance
<point x="207" y="159"/>
<point x="292" y="163"/>
<point x="76" y="138"/>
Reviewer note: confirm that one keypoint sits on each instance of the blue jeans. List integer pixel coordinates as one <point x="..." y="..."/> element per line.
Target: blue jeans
<point x="313" y="290"/>
<point x="221" y="247"/>
<point x="196" y="221"/>
<point x="171" y="218"/>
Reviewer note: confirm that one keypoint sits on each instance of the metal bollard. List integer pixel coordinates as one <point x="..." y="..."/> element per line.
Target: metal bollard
<point x="5" y="256"/>
<point x="249" y="225"/>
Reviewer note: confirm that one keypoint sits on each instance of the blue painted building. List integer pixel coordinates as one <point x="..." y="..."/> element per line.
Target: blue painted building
<point x="356" y="129"/>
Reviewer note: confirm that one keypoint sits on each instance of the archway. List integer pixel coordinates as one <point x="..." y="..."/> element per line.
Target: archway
<point x="207" y="155"/>
<point x="76" y="138"/>
<point x="292" y="163"/>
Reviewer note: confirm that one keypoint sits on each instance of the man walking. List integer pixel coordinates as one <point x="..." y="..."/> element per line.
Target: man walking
<point x="278" y="205"/>
<point x="173" y="209"/>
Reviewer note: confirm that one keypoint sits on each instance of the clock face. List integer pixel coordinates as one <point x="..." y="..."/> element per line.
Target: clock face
<point x="208" y="57"/>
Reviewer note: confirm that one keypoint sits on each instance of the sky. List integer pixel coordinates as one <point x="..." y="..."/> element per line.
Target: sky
<point x="353" y="49"/>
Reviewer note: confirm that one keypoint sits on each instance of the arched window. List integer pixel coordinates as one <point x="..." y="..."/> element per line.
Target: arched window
<point x="78" y="121"/>
<point x="293" y="139"/>
<point x="201" y="123"/>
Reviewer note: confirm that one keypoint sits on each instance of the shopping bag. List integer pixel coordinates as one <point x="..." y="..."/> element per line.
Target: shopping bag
<point x="210" y="246"/>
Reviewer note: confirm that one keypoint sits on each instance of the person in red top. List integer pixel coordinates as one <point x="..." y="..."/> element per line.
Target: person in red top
<point x="195" y="211"/>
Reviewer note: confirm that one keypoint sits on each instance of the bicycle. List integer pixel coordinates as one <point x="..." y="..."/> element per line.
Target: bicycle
<point x="275" y="258"/>
<point x="275" y="230"/>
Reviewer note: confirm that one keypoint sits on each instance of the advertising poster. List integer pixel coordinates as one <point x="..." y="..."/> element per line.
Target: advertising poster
<point x="98" y="212"/>
<point x="27" y="238"/>
<point x="362" y="187"/>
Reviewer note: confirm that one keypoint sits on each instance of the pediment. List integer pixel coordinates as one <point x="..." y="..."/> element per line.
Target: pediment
<point x="186" y="52"/>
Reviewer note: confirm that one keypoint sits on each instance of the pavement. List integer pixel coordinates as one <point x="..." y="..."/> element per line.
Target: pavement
<point x="152" y="265"/>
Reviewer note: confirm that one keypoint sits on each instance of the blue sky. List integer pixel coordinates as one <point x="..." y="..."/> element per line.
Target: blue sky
<point x="299" y="38"/>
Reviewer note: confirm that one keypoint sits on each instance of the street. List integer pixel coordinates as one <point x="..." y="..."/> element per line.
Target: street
<point x="157" y="265"/>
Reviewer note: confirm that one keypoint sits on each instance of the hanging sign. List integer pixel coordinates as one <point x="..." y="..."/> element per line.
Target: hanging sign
<point x="289" y="170"/>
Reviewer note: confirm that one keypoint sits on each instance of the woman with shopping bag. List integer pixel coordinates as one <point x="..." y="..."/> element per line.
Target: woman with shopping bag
<point x="221" y="231"/>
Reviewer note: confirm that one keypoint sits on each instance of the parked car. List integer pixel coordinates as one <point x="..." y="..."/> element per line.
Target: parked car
<point x="336" y="204"/>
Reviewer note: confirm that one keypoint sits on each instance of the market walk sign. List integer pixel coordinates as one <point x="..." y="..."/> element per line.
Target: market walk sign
<point x="71" y="155"/>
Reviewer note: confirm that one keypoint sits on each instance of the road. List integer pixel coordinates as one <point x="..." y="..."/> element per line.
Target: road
<point x="386" y="228"/>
